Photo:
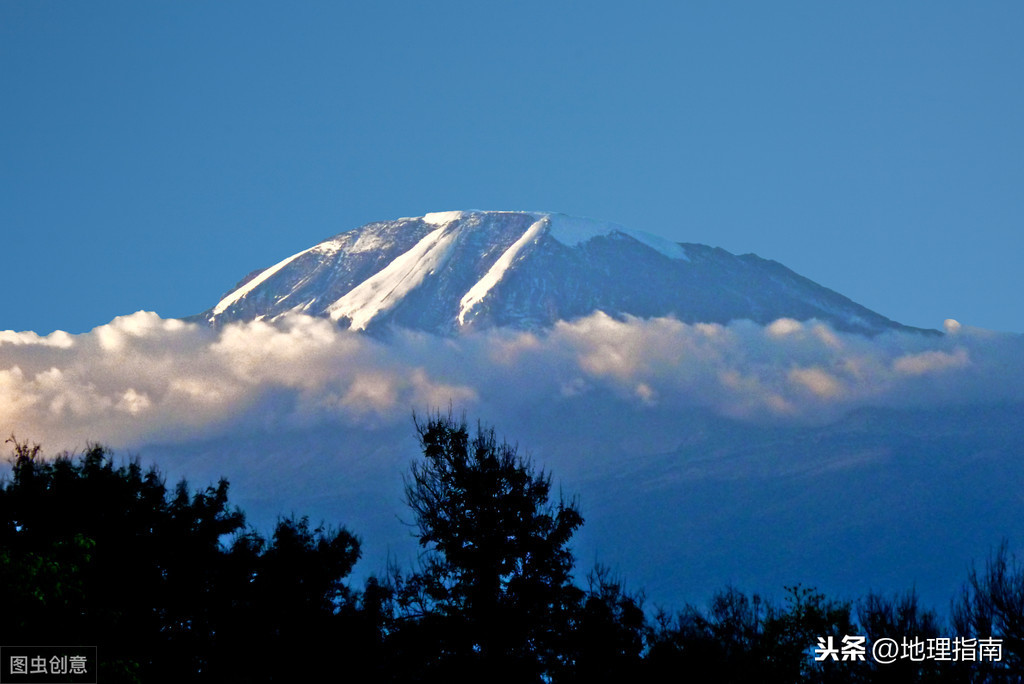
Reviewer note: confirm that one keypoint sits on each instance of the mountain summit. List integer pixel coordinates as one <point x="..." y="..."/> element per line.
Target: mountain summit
<point x="456" y="271"/>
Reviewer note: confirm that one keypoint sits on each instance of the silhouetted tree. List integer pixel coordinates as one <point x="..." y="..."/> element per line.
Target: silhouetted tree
<point x="290" y="613"/>
<point x="95" y="554"/>
<point x="608" y="632"/>
<point x="723" y="643"/>
<point x="896" y="618"/>
<point x="991" y="605"/>
<point x="495" y="586"/>
<point x="792" y="630"/>
<point x="743" y="639"/>
<point x="141" y="566"/>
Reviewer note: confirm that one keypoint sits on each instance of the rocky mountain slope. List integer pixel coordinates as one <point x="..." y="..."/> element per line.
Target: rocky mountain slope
<point x="453" y="272"/>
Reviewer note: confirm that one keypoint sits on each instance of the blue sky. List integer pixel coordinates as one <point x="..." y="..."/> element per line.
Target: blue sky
<point x="152" y="154"/>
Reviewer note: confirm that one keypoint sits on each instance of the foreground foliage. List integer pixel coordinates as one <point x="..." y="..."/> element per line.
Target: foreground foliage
<point x="101" y="555"/>
<point x="171" y="585"/>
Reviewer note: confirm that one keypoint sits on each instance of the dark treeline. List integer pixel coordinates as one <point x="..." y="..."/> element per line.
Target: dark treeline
<point x="171" y="585"/>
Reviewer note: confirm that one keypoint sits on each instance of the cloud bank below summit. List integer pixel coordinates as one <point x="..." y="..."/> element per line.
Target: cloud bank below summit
<point x="143" y="379"/>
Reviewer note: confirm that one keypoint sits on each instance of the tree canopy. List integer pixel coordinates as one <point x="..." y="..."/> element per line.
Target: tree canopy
<point x="97" y="554"/>
<point x="498" y="568"/>
<point x="171" y="585"/>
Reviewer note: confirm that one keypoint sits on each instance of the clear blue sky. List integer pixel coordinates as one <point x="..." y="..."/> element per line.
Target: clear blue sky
<point x="152" y="154"/>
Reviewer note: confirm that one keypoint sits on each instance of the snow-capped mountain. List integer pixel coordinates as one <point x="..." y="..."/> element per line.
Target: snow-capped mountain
<point x="456" y="271"/>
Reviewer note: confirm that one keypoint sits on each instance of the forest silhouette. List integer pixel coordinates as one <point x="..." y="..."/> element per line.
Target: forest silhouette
<point x="171" y="585"/>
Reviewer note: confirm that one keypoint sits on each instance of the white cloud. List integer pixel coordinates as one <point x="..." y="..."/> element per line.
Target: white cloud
<point x="57" y="338"/>
<point x="142" y="378"/>
<point x="933" y="361"/>
<point x="818" y="381"/>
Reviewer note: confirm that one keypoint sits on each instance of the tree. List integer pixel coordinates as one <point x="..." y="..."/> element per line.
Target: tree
<point x="991" y="605"/>
<point x="896" y="617"/>
<point x="97" y="554"/>
<point x="288" y="604"/>
<point x="743" y="639"/>
<point x="608" y="631"/>
<point x="135" y="567"/>
<point x="495" y="584"/>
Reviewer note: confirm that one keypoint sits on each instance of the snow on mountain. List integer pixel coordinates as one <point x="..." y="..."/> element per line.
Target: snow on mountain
<point x="496" y="272"/>
<point x="389" y="286"/>
<point x="455" y="271"/>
